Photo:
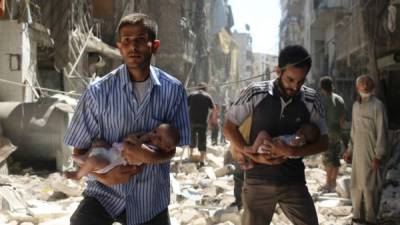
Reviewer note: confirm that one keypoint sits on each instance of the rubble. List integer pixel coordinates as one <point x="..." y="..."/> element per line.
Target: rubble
<point x="390" y="204"/>
<point x="199" y="195"/>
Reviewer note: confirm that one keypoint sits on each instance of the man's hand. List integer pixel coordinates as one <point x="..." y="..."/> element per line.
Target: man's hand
<point x="135" y="152"/>
<point x="376" y="163"/>
<point x="244" y="162"/>
<point x="132" y="145"/>
<point x="118" y="175"/>
<point x="79" y="156"/>
<point x="249" y="149"/>
<point x="278" y="148"/>
<point x="266" y="158"/>
<point x="347" y="156"/>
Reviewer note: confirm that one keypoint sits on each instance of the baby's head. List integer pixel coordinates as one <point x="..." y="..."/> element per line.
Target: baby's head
<point x="165" y="137"/>
<point x="310" y="132"/>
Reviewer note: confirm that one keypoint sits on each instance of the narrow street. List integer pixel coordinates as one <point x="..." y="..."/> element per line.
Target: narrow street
<point x="107" y="87"/>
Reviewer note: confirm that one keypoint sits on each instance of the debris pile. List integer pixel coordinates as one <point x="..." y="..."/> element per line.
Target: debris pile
<point x="200" y="195"/>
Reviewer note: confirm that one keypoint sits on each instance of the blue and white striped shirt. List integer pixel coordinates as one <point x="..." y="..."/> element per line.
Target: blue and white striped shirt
<point x="108" y="110"/>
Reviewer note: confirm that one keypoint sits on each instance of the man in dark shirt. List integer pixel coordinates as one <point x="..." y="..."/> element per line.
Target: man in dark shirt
<point x="278" y="107"/>
<point x="200" y="103"/>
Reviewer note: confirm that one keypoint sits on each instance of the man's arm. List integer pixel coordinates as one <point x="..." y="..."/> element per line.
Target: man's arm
<point x="241" y="149"/>
<point x="232" y="133"/>
<point x="381" y="135"/>
<point x="342" y="112"/>
<point x="281" y="149"/>
<point x="342" y="121"/>
<point x="134" y="149"/>
<point x="118" y="175"/>
<point x="348" y="154"/>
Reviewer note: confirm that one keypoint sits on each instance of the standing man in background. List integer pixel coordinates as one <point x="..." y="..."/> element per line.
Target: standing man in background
<point x="200" y="104"/>
<point x="213" y="123"/>
<point x="335" y="119"/>
<point x="366" y="150"/>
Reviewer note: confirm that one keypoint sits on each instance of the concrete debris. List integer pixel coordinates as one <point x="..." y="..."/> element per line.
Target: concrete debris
<point x="66" y="186"/>
<point x="216" y="150"/>
<point x="343" y="186"/>
<point x="200" y="195"/>
<point x="189" y="168"/>
<point x="390" y="204"/>
<point x="226" y="223"/>
<point x="210" y="172"/>
<point x="227" y="215"/>
<point x="226" y="170"/>
<point x="6" y="147"/>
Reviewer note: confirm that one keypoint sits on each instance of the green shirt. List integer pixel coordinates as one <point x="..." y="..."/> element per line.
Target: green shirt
<point x="334" y="108"/>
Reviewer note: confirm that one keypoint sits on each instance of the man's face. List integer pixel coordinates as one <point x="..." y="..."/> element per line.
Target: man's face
<point x="365" y="85"/>
<point x="135" y="46"/>
<point x="291" y="79"/>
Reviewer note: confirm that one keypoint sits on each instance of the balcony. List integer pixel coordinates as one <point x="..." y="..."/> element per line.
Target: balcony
<point x="327" y="11"/>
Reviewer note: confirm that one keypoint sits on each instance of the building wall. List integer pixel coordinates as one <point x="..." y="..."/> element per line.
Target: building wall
<point x="264" y="64"/>
<point x="346" y="38"/>
<point x="29" y="65"/>
<point x="292" y="23"/>
<point x="10" y="45"/>
<point x="245" y="56"/>
<point x="176" y="54"/>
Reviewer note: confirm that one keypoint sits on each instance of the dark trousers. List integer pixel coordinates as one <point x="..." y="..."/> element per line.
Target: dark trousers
<point x="214" y="134"/>
<point x="260" y="198"/>
<point x="199" y="136"/>
<point x="91" y="212"/>
<point x="238" y="178"/>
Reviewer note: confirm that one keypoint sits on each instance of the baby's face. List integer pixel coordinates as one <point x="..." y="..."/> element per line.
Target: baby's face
<point x="159" y="137"/>
<point x="298" y="140"/>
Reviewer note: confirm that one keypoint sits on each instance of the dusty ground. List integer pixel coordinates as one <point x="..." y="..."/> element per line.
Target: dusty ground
<point x="198" y="196"/>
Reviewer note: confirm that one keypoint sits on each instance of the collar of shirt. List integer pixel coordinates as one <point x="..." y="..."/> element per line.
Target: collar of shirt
<point x="154" y="76"/>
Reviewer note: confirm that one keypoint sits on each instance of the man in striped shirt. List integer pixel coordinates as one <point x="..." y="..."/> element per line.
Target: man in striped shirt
<point x="278" y="107"/>
<point x="135" y="97"/>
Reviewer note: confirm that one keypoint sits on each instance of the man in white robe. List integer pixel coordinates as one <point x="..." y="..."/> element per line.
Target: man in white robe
<point x="366" y="150"/>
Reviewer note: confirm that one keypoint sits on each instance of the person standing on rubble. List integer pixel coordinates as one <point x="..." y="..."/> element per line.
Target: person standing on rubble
<point x="213" y="124"/>
<point x="366" y="150"/>
<point x="278" y="107"/>
<point x="335" y="119"/>
<point x="135" y="97"/>
<point x="200" y="105"/>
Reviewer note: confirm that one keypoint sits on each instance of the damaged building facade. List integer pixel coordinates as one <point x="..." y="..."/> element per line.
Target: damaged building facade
<point x="347" y="38"/>
<point x="51" y="51"/>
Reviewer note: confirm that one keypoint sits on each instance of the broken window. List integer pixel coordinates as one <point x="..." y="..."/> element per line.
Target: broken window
<point x="15" y="62"/>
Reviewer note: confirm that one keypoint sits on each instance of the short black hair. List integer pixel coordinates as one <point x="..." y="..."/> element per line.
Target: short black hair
<point x="140" y="19"/>
<point x="326" y="83"/>
<point x="294" y="55"/>
<point x="173" y="134"/>
<point x="202" y="86"/>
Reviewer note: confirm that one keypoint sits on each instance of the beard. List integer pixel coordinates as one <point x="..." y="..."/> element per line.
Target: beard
<point x="364" y="95"/>
<point x="286" y="92"/>
<point x="141" y="63"/>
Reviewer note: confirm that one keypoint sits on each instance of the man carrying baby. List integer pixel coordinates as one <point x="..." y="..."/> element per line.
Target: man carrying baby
<point x="279" y="107"/>
<point x="155" y="147"/>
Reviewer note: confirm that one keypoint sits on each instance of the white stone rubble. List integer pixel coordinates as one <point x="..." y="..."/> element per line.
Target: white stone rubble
<point x="199" y="195"/>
